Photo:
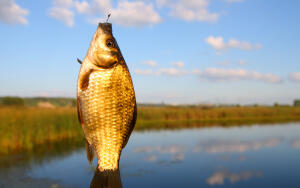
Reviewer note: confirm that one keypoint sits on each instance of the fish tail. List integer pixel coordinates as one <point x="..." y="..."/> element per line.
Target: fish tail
<point x="89" y="152"/>
<point x="107" y="178"/>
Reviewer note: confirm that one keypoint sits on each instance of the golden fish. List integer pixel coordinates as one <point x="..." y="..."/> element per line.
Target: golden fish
<point x="105" y="99"/>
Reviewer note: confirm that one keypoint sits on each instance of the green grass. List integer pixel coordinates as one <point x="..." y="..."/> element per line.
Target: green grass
<point x="25" y="128"/>
<point x="156" y="117"/>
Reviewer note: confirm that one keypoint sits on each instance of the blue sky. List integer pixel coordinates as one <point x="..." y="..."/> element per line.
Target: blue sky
<point x="179" y="51"/>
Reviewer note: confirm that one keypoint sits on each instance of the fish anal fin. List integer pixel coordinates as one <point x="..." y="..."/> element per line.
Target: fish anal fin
<point x="89" y="152"/>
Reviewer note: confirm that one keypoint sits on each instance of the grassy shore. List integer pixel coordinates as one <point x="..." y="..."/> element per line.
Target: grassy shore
<point x="176" y="117"/>
<point x="25" y="128"/>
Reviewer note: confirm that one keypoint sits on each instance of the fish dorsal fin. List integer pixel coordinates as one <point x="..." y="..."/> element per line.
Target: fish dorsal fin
<point x="79" y="61"/>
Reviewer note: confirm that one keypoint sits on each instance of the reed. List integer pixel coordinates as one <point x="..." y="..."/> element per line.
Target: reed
<point x="25" y="128"/>
<point x="218" y="114"/>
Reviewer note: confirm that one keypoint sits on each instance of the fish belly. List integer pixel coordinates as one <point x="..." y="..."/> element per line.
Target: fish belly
<point x="107" y="108"/>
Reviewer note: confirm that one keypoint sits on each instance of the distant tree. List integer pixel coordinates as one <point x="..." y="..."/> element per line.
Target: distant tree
<point x="12" y="101"/>
<point x="297" y="102"/>
<point x="276" y="104"/>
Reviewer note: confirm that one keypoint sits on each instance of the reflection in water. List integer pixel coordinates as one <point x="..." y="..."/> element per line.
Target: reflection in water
<point x="221" y="146"/>
<point x="14" y="167"/>
<point x="229" y="157"/>
<point x="296" y="143"/>
<point x="176" y="152"/>
<point x="42" y="153"/>
<point x="106" y="179"/>
<point x="16" y="177"/>
<point x="151" y="158"/>
<point x="172" y="149"/>
<point x="219" y="177"/>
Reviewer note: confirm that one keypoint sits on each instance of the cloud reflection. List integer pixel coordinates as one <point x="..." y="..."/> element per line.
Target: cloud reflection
<point x="222" y="146"/>
<point x="176" y="152"/>
<point x="151" y="158"/>
<point x="220" y="176"/>
<point x="296" y="143"/>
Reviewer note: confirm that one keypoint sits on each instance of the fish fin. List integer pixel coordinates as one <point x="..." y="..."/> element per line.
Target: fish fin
<point x="89" y="152"/>
<point x="79" y="113"/>
<point x="84" y="79"/>
<point x="79" y="61"/>
<point x="107" y="179"/>
<point x="132" y="124"/>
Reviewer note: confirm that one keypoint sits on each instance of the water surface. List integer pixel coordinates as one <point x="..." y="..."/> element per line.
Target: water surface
<point x="248" y="156"/>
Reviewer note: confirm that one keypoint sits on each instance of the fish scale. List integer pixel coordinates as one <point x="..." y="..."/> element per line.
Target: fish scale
<point x="107" y="106"/>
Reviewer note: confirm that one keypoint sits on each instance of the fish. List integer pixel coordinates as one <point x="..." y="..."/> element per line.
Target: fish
<point x="106" y="102"/>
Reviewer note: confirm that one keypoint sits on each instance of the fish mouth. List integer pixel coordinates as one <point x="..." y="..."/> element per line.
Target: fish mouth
<point x="105" y="28"/>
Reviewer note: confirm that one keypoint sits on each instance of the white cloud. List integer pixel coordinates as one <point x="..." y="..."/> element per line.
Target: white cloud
<point x="103" y="5"/>
<point x="63" y="14"/>
<point x="150" y="63"/>
<point x="171" y="72"/>
<point x="63" y="3"/>
<point x="61" y="10"/>
<point x="216" y="42"/>
<point x="178" y="64"/>
<point x="219" y="44"/>
<point x="220" y="74"/>
<point x="234" y="1"/>
<point x="12" y="13"/>
<point x="93" y="7"/>
<point x="295" y="76"/>
<point x="126" y="13"/>
<point x="242" y="62"/>
<point x="219" y="177"/>
<point x="162" y="71"/>
<point x="189" y="10"/>
<point x="143" y="72"/>
<point x="135" y="14"/>
<point x="82" y="7"/>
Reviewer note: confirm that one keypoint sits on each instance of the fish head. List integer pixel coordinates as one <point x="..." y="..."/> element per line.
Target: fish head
<point x="104" y="51"/>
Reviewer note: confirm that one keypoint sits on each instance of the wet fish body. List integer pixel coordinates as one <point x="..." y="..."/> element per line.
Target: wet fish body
<point x="105" y="99"/>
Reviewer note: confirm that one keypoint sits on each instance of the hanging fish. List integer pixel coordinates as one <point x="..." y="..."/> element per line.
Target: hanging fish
<point x="106" y="102"/>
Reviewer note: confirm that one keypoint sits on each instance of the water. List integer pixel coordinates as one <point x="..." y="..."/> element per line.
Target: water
<point x="249" y="156"/>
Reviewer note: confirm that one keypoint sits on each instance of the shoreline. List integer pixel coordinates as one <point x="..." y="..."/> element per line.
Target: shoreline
<point x="25" y="128"/>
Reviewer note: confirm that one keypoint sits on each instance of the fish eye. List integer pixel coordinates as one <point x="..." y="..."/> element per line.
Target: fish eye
<point x="110" y="43"/>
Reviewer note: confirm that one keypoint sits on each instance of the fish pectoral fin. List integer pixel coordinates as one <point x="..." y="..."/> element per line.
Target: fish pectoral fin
<point x="79" y="113"/>
<point x="79" y="61"/>
<point x="89" y="152"/>
<point x="84" y="79"/>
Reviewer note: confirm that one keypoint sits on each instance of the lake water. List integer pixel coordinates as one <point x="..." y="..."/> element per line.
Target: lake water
<point x="248" y="156"/>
